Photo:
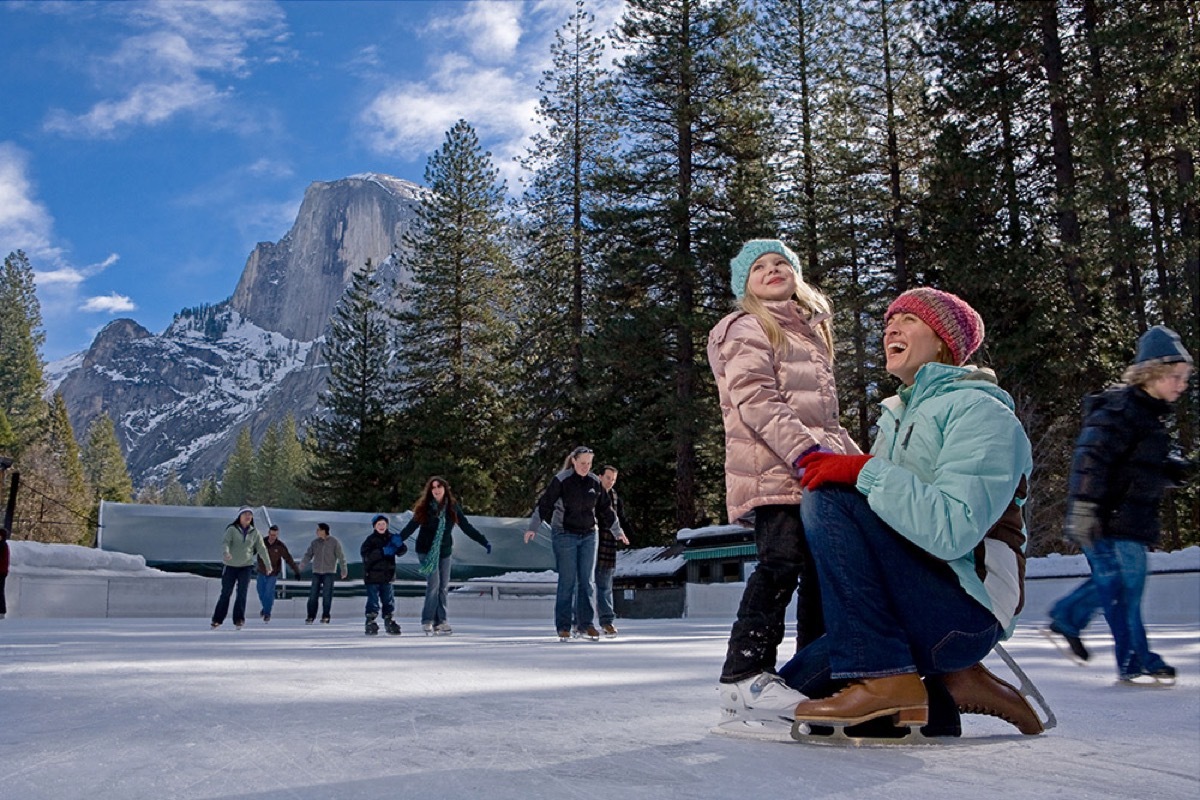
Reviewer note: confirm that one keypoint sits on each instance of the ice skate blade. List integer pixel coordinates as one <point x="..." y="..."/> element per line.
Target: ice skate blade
<point x="1060" y="644"/>
<point x="768" y="730"/>
<point x="1147" y="682"/>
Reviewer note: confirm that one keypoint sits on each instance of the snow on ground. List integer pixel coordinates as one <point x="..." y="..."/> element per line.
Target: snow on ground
<point x="146" y="709"/>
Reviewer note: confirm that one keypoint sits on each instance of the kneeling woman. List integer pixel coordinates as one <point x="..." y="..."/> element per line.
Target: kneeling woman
<point x="918" y="546"/>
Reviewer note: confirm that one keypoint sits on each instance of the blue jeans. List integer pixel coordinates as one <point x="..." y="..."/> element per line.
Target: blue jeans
<point x="1116" y="585"/>
<point x="575" y="560"/>
<point x="266" y="590"/>
<point x="437" y="586"/>
<point x="322" y="584"/>
<point x="231" y="577"/>
<point x="381" y="594"/>
<point x="604" y="595"/>
<point x="890" y="608"/>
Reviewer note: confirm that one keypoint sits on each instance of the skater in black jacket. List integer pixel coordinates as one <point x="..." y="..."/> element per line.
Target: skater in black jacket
<point x="1122" y="467"/>
<point x="379" y="551"/>
<point x="435" y="513"/>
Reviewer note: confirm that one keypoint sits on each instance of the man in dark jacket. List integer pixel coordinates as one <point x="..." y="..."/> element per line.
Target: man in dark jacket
<point x="267" y="578"/>
<point x="606" y="553"/>
<point x="1121" y="468"/>
<point x="379" y="570"/>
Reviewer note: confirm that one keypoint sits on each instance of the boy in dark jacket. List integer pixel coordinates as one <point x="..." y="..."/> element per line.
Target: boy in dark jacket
<point x="379" y="553"/>
<point x="1121" y="468"/>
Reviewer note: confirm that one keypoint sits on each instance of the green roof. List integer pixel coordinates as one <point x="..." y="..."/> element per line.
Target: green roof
<point x="721" y="552"/>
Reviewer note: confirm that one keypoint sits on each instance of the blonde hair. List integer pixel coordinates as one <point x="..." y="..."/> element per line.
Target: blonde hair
<point x="808" y="299"/>
<point x="1146" y="372"/>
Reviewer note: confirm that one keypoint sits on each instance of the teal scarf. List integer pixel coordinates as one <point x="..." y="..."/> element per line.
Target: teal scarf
<point x="430" y="560"/>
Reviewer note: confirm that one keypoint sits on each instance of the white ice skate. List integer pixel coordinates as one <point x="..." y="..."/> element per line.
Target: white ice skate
<point x="443" y="629"/>
<point x="763" y="696"/>
<point x="428" y="628"/>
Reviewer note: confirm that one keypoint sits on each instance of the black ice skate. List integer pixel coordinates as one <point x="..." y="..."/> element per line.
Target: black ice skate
<point x="391" y="627"/>
<point x="372" y="627"/>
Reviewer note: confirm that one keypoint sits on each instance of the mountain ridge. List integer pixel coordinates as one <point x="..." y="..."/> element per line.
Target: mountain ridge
<point x="178" y="399"/>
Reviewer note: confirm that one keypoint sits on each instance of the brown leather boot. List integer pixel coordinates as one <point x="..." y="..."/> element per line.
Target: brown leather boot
<point x="867" y="698"/>
<point x="977" y="691"/>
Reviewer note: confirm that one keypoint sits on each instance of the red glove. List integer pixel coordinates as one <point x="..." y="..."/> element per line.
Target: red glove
<point x="822" y="468"/>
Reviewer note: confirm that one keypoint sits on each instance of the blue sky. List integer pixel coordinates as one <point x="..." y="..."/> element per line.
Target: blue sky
<point x="146" y="147"/>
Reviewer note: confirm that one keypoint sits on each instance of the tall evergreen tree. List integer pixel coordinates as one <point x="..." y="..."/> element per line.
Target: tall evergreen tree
<point x="22" y="383"/>
<point x="73" y="495"/>
<point x="292" y="466"/>
<point x="691" y="186"/>
<point x="267" y="477"/>
<point x="352" y="467"/>
<point x="456" y="331"/>
<point x="560" y="243"/>
<point x="104" y="465"/>
<point x="238" y="479"/>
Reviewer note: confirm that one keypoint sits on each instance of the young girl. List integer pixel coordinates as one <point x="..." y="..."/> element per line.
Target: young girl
<point x="436" y="512"/>
<point x="773" y="361"/>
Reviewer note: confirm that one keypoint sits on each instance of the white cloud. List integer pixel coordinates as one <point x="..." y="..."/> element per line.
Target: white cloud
<point x="111" y="303"/>
<point x="25" y="224"/>
<point x="491" y="30"/>
<point x="172" y="67"/>
<point x="491" y="56"/>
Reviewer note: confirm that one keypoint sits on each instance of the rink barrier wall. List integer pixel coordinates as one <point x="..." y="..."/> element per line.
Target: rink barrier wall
<point x="1171" y="597"/>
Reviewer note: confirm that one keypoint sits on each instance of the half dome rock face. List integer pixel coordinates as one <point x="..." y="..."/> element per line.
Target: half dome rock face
<point x="292" y="286"/>
<point x="178" y="399"/>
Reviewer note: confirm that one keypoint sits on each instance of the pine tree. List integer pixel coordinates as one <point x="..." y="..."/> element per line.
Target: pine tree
<point x="8" y="439"/>
<point x="692" y="185"/>
<point x="237" y="481"/>
<point x="352" y="466"/>
<point x="293" y="466"/>
<point x="455" y="333"/>
<point x="209" y="493"/>
<point x="173" y="492"/>
<point x="267" y="477"/>
<point x="104" y="465"/>
<point x="561" y="245"/>
<point x="74" y="496"/>
<point x="22" y="384"/>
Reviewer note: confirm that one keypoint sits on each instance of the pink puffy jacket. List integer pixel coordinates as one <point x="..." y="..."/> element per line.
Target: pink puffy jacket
<point x="774" y="406"/>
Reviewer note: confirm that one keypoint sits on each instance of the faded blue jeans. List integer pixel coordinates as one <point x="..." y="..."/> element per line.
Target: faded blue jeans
<point x="1116" y="586"/>
<point x="265" y="584"/>
<point x="437" y="588"/>
<point x="575" y="560"/>
<point x="604" y="595"/>
<point x="889" y="606"/>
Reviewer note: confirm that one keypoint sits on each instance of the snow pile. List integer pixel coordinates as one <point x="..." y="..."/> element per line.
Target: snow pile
<point x="37" y="558"/>
<point x="1060" y="566"/>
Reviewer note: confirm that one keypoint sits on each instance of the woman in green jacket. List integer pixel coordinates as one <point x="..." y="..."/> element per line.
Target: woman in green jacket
<point x="919" y="545"/>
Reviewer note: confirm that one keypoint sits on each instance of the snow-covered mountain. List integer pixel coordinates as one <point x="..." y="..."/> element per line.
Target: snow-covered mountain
<point x="179" y="398"/>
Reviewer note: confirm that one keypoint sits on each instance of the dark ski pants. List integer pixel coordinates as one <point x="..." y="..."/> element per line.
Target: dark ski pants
<point x="784" y="567"/>
<point x="231" y="577"/>
<point x="322" y="584"/>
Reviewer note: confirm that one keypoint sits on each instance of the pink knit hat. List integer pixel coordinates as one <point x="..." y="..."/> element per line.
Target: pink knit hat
<point x="955" y="322"/>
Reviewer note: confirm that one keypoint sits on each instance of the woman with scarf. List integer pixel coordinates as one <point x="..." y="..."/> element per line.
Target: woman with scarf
<point x="435" y="514"/>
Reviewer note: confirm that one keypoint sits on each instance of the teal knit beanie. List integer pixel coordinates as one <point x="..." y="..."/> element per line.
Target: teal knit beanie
<point x="739" y="266"/>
